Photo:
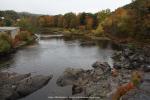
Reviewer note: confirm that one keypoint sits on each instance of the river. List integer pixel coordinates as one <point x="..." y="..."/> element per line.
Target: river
<point x="53" y="56"/>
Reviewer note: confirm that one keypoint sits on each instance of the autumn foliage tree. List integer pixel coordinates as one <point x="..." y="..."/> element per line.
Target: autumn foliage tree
<point x="89" y="22"/>
<point x="130" y="21"/>
<point x="69" y="20"/>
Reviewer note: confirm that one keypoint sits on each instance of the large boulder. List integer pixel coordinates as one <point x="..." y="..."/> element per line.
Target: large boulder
<point x="14" y="86"/>
<point x="101" y="65"/>
<point x="81" y="80"/>
<point x="69" y="77"/>
<point x="79" y="76"/>
<point x="132" y="58"/>
<point x="32" y="84"/>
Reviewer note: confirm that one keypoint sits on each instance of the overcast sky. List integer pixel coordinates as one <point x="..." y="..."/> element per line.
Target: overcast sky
<point x="53" y="7"/>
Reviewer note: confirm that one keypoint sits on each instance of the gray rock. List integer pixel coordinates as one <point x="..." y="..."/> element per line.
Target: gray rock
<point x="146" y="68"/>
<point x="127" y="52"/>
<point x="31" y="84"/>
<point x="100" y="90"/>
<point x="76" y="89"/>
<point x="69" y="76"/>
<point x="147" y="60"/>
<point x="136" y="94"/>
<point x="117" y="65"/>
<point x="102" y="65"/>
<point x="145" y="86"/>
<point x="14" y="86"/>
<point x="131" y="58"/>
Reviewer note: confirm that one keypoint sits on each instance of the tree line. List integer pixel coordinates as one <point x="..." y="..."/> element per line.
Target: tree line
<point x="83" y="20"/>
<point x="130" y="21"/>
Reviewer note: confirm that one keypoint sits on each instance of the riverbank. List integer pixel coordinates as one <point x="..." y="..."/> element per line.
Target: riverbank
<point x="73" y="33"/>
<point x="92" y="35"/>
<point x="109" y="83"/>
<point x="13" y="48"/>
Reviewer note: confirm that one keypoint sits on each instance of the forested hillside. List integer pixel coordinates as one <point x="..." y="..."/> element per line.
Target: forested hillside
<point x="128" y="22"/>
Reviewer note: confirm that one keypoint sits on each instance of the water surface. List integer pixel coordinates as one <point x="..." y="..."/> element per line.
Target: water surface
<point x="53" y="56"/>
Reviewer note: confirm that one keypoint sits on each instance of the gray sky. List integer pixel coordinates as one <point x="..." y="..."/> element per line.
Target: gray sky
<point x="60" y="6"/>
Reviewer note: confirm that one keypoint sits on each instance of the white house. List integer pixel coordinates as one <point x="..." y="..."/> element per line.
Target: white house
<point x="12" y="31"/>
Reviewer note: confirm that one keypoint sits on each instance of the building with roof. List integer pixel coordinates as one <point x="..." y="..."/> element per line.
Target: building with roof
<point x="11" y="31"/>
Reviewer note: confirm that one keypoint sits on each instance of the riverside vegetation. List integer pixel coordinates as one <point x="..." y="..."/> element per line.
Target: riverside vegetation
<point x="8" y="45"/>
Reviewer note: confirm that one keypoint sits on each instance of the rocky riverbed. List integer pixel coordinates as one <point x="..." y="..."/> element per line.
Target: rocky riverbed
<point x="132" y="58"/>
<point x="103" y="81"/>
<point x="14" y="86"/>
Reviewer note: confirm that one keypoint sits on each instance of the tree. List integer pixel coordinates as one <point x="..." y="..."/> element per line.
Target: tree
<point x="60" y="21"/>
<point x="41" y="21"/>
<point x="8" y="22"/>
<point x="5" y="43"/>
<point x="82" y="18"/>
<point x="119" y="23"/>
<point x="69" y="20"/>
<point x="89" y="22"/>
<point x="102" y="15"/>
<point x="27" y="24"/>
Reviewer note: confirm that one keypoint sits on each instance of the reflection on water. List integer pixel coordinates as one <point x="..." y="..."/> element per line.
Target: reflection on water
<point x="6" y="61"/>
<point x="53" y="56"/>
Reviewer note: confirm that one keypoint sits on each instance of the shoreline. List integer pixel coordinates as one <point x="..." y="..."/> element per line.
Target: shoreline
<point x="14" y="49"/>
<point x="99" y="78"/>
<point x="105" y="82"/>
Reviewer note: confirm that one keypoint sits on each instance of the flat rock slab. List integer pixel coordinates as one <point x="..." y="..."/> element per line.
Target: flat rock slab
<point x="14" y="86"/>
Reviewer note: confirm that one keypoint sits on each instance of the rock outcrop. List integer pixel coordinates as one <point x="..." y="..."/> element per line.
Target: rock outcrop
<point x="96" y="82"/>
<point x="132" y="59"/>
<point x="100" y="82"/>
<point x="14" y="86"/>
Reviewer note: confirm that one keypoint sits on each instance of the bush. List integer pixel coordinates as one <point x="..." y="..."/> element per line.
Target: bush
<point x="121" y="90"/>
<point x="136" y="78"/>
<point x="99" y="31"/>
<point x="25" y="36"/>
<point x="5" y="43"/>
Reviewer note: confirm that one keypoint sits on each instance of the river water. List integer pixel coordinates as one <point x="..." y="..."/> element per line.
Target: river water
<point x="53" y="56"/>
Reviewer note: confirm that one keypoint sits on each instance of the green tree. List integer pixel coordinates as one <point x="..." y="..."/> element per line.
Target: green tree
<point x="60" y="21"/>
<point x="69" y="20"/>
<point x="102" y="15"/>
<point x="27" y="24"/>
<point x="5" y="43"/>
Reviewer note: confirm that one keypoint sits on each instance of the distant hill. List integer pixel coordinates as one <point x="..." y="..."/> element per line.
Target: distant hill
<point x="15" y="15"/>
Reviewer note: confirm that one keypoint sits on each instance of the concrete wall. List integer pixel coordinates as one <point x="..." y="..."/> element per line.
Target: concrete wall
<point x="11" y="32"/>
<point x="14" y="32"/>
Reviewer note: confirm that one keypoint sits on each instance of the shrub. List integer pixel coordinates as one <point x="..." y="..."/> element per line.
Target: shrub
<point x="121" y="90"/>
<point x="82" y="28"/>
<point x="99" y="31"/>
<point x="136" y="78"/>
<point x="25" y="36"/>
<point x="5" y="43"/>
